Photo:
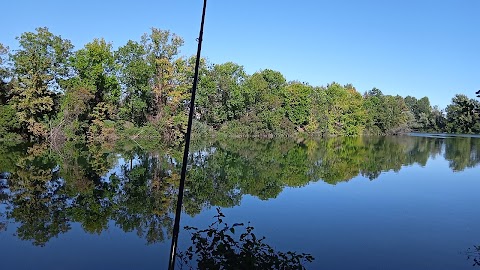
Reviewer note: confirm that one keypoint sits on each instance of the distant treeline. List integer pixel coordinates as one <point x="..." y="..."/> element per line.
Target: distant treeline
<point x="49" y="91"/>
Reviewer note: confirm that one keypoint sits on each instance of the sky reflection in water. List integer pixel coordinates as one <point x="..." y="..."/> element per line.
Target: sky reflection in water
<point x="362" y="203"/>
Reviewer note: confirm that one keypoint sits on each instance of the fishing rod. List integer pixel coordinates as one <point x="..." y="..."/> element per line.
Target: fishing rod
<point x="176" y="225"/>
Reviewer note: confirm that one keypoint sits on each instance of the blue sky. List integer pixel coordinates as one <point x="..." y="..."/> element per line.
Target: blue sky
<point x="406" y="47"/>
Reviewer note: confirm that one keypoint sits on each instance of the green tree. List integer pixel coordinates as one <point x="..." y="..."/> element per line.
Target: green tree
<point x="342" y="110"/>
<point x="395" y="109"/>
<point x="412" y="114"/>
<point x="423" y="117"/>
<point x="387" y="114"/>
<point x="39" y="66"/>
<point x="422" y="120"/>
<point x="437" y="120"/>
<point x="263" y="86"/>
<point x="462" y="116"/>
<point x="96" y="87"/>
<point x="220" y="96"/>
<point x="264" y="100"/>
<point x="135" y="74"/>
<point x="95" y="69"/>
<point x="373" y="104"/>
<point x="4" y="74"/>
<point x="411" y="103"/>
<point x="297" y="103"/>
<point x="423" y="106"/>
<point x="8" y="122"/>
<point x="8" y="119"/>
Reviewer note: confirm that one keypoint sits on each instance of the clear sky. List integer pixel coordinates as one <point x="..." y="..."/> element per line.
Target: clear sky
<point x="406" y="47"/>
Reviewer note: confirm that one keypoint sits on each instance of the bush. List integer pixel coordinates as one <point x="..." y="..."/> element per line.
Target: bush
<point x="217" y="247"/>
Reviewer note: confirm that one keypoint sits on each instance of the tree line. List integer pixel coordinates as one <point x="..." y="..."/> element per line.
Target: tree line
<point x="49" y="91"/>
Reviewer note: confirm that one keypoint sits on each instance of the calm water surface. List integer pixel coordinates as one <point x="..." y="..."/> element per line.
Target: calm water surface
<point x="406" y="202"/>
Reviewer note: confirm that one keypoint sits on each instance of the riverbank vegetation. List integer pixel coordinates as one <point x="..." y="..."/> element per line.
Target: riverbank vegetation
<point x="141" y="90"/>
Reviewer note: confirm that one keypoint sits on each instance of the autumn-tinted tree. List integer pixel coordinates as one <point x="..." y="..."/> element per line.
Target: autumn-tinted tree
<point x="170" y="82"/>
<point x="39" y="66"/>
<point x="162" y="48"/>
<point x="8" y="119"/>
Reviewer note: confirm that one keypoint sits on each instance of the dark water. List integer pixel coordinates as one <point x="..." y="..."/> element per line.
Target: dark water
<point x="353" y="203"/>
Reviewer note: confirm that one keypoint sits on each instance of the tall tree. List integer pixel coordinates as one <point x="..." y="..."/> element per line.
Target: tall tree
<point x="8" y="120"/>
<point x="170" y="82"/>
<point x="386" y="114"/>
<point x="345" y="114"/>
<point x="297" y="103"/>
<point x="39" y="65"/>
<point x="162" y="49"/>
<point x="95" y="69"/>
<point x="93" y="94"/>
<point x="462" y="116"/>
<point x="135" y="75"/>
<point x="411" y="103"/>
<point x="221" y="97"/>
<point x="395" y="114"/>
<point x="264" y="97"/>
<point x="423" y="106"/>
<point x="438" y="121"/>
<point x="263" y="85"/>
<point x="3" y="74"/>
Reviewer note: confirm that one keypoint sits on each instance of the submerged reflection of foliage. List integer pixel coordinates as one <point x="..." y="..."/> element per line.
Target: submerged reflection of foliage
<point x="474" y="255"/>
<point x="217" y="247"/>
<point x="3" y="197"/>
<point x="45" y="190"/>
<point x="462" y="152"/>
<point x="37" y="200"/>
<point x="45" y="198"/>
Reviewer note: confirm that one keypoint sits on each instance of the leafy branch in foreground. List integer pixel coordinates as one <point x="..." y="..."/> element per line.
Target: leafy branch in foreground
<point x="474" y="254"/>
<point x="217" y="248"/>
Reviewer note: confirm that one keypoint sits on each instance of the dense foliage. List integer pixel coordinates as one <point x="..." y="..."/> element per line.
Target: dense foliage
<point x="49" y="92"/>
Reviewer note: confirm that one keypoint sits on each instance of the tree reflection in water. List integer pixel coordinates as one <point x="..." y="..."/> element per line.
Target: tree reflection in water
<point x="44" y="191"/>
<point x="474" y="255"/>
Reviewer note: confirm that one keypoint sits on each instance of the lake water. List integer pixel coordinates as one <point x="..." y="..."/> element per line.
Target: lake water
<point x="407" y="202"/>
